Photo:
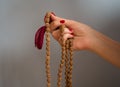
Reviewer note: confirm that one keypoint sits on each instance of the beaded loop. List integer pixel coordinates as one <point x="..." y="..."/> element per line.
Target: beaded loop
<point x="66" y="56"/>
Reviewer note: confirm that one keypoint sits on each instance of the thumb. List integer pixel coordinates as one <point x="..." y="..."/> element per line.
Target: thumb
<point x="53" y="16"/>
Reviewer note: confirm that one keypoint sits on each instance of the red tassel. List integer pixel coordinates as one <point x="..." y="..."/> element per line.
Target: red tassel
<point x="39" y="37"/>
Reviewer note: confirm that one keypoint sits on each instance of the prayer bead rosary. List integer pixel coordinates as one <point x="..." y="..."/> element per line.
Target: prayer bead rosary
<point x="66" y="54"/>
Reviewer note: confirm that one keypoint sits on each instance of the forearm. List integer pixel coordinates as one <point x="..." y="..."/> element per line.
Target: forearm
<point x="106" y="48"/>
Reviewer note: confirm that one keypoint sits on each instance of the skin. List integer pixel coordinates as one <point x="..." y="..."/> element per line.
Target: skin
<point x="86" y="38"/>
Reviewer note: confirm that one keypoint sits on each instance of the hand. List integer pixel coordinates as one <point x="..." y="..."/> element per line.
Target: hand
<point x="82" y="34"/>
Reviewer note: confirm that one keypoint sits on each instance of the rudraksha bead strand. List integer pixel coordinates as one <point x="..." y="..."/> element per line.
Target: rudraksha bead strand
<point x="63" y="57"/>
<point x="48" y="75"/>
<point x="66" y="63"/>
<point x="70" y="62"/>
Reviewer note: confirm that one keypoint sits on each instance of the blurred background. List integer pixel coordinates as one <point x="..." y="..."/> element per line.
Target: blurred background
<point x="22" y="65"/>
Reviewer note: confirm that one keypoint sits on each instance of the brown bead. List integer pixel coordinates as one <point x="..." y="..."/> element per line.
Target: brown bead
<point x="47" y="24"/>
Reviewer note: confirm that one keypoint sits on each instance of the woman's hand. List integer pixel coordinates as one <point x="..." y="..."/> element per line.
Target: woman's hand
<point x="82" y="34"/>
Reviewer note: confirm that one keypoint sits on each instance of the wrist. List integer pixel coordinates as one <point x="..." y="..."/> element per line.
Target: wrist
<point x="96" y="41"/>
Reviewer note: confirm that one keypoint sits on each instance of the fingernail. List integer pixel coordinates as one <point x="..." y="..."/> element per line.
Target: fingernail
<point x="53" y="13"/>
<point x="72" y="33"/>
<point x="62" y="21"/>
<point x="70" y="29"/>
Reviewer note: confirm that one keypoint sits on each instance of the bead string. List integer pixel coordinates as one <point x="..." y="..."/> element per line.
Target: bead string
<point x="48" y="75"/>
<point x="66" y="56"/>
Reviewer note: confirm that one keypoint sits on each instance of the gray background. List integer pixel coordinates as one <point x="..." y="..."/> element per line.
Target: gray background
<point x="22" y="65"/>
